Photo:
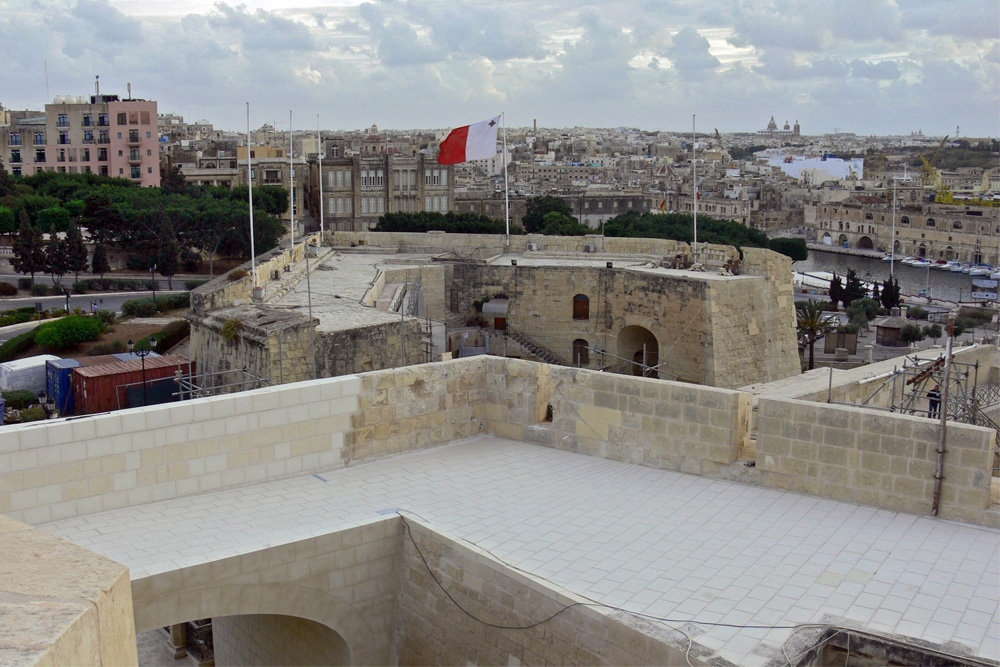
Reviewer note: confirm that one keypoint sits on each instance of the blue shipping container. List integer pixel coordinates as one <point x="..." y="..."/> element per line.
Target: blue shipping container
<point x="59" y="383"/>
<point x="3" y="410"/>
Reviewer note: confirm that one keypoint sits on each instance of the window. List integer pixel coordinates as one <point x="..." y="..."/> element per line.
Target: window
<point x="133" y="117"/>
<point x="381" y="205"/>
<point x="581" y="307"/>
<point x="133" y="136"/>
<point x="88" y="120"/>
<point x="102" y="121"/>
<point x="905" y="220"/>
<point x="149" y="135"/>
<point x="63" y="120"/>
<point x="102" y="155"/>
<point x="104" y="170"/>
<point x="85" y="155"/>
<point x="64" y="138"/>
<point x="122" y="118"/>
<point x="144" y="117"/>
<point x="133" y="155"/>
<point x="427" y="202"/>
<point x="88" y="137"/>
<point x="15" y="139"/>
<point x="930" y="222"/>
<point x="869" y="216"/>
<point x="956" y="224"/>
<point x="15" y="156"/>
<point x="149" y="153"/>
<point x="149" y="170"/>
<point x="119" y="135"/>
<point x="380" y="177"/>
<point x="136" y="172"/>
<point x="39" y="138"/>
<point x="364" y="203"/>
<point x="40" y="155"/>
<point x="581" y="352"/>
<point x="104" y="137"/>
<point x="16" y="171"/>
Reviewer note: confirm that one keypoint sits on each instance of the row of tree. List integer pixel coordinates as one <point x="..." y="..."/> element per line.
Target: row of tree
<point x="153" y="226"/>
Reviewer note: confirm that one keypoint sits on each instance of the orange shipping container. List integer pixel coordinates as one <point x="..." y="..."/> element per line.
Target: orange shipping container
<point x="102" y="388"/>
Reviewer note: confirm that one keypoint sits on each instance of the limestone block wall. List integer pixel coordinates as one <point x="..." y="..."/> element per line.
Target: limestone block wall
<point x="431" y="630"/>
<point x="55" y="470"/>
<point x="363" y="349"/>
<point x="347" y="581"/>
<point x="270" y="639"/>
<point x="721" y="332"/>
<point x="223" y="292"/>
<point x="432" y="286"/>
<point x="61" y="604"/>
<point x="874" y="458"/>
<point x="667" y="425"/>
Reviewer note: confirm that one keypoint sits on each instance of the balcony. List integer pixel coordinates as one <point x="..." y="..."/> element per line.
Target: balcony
<point x="134" y="159"/>
<point x="133" y="142"/>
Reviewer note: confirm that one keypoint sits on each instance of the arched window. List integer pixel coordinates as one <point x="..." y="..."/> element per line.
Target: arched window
<point x="930" y="222"/>
<point x="581" y="307"/>
<point x="581" y="352"/>
<point x="905" y="220"/>
<point x="956" y="224"/>
<point x="869" y="216"/>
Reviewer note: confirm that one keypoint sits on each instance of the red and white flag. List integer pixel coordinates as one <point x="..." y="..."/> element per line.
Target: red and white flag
<point x="471" y="142"/>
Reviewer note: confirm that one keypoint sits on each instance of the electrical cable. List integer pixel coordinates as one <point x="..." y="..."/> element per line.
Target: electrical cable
<point x="667" y="621"/>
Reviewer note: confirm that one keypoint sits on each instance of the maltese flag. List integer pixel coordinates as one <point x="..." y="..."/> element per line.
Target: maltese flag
<point x="471" y="142"/>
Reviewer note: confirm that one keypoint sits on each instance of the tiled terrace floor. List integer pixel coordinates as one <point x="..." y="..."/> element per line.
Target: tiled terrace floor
<point x="651" y="541"/>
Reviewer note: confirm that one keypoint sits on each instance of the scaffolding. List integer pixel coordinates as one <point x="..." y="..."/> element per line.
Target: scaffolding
<point x="199" y="385"/>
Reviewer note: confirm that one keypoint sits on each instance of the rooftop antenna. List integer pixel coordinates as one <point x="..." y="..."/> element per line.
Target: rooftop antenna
<point x="97" y="89"/>
<point x="129" y="87"/>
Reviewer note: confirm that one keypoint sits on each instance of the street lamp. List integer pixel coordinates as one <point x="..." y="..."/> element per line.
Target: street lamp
<point x="142" y="355"/>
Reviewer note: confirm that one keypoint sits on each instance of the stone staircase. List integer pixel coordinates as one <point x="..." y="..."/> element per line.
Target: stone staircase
<point x="537" y="349"/>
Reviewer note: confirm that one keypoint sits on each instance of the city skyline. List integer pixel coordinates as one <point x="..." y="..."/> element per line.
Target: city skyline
<point x="859" y="66"/>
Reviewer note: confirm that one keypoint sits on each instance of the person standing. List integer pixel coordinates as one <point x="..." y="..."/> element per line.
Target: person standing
<point x="934" y="402"/>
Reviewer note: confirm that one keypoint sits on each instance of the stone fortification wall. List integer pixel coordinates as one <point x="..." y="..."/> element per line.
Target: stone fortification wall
<point x="431" y="630"/>
<point x="270" y="639"/>
<point x="667" y="425"/>
<point x="367" y="348"/>
<point x="348" y="581"/>
<point x="62" y="604"/>
<point x="56" y="470"/>
<point x="721" y="332"/>
<point x="875" y="458"/>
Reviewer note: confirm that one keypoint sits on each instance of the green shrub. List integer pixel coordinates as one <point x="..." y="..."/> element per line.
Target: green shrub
<point x="17" y="345"/>
<point x="14" y="317"/>
<point x="106" y="316"/>
<point x="139" y="308"/>
<point x="911" y="333"/>
<point x="40" y="290"/>
<point x="173" y="301"/>
<point x="978" y="315"/>
<point x="68" y="332"/>
<point x="81" y="286"/>
<point x="111" y="347"/>
<point x="24" y="283"/>
<point x="6" y="289"/>
<point x="231" y="328"/>
<point x="19" y="399"/>
<point x="933" y="331"/>
<point x="193" y="284"/>
<point x="33" y="414"/>
<point x="916" y="313"/>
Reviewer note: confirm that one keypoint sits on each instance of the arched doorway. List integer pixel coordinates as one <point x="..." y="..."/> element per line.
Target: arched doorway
<point x="922" y="250"/>
<point x="581" y="352"/>
<point x="842" y="241"/>
<point x="865" y="243"/>
<point x="273" y="639"/>
<point x="638" y="345"/>
<point x="827" y="239"/>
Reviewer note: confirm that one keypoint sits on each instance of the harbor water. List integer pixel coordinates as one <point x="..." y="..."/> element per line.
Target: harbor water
<point x="912" y="280"/>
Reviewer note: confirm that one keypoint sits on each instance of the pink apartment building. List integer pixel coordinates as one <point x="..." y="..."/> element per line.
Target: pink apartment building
<point x="100" y="134"/>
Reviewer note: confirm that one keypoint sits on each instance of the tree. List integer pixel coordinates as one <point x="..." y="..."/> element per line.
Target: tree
<point x="174" y="181"/>
<point x="168" y="261"/>
<point x="794" y="248"/>
<point x="837" y="291"/>
<point x="6" y="182"/>
<point x="811" y="323"/>
<point x="933" y="331"/>
<point x="911" y="333"/>
<point x="76" y="251"/>
<point x="853" y="289"/>
<point x="8" y="223"/>
<point x="29" y="255"/>
<point x="560" y="224"/>
<point x="99" y="263"/>
<point x="890" y="293"/>
<point x="538" y="207"/>
<point x="57" y="259"/>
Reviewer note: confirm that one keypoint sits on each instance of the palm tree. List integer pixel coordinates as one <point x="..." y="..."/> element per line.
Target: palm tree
<point x="811" y="322"/>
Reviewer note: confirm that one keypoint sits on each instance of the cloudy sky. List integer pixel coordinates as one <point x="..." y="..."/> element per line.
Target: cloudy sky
<point x="864" y="66"/>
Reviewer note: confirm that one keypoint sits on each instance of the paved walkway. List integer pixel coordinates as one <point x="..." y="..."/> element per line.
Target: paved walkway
<point x="671" y="545"/>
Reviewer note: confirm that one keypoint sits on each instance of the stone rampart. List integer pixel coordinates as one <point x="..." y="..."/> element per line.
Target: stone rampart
<point x="432" y="630"/>
<point x="875" y="458"/>
<point x="61" y="604"/>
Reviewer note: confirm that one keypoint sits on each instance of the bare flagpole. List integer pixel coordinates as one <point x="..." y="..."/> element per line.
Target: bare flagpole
<point x="694" y="169"/>
<point x="506" y="188"/>
<point x="319" y="147"/>
<point x="253" y="254"/>
<point x="291" y="180"/>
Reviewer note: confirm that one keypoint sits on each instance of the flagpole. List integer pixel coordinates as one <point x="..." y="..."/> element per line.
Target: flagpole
<point x="291" y="181"/>
<point x="253" y="255"/>
<point x="319" y="145"/>
<point x="694" y="169"/>
<point x="506" y="188"/>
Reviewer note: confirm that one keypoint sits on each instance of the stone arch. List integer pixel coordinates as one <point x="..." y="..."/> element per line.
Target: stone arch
<point x="273" y="639"/>
<point x="827" y="239"/>
<point x="581" y="352"/>
<point x="630" y="347"/>
<point x="842" y="240"/>
<point x="581" y="307"/>
<point x="922" y="250"/>
<point x="271" y="599"/>
<point x="865" y="243"/>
